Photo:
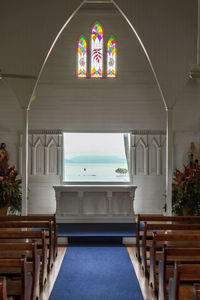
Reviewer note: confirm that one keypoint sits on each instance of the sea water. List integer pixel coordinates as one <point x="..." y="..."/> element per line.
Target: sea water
<point x="94" y="172"/>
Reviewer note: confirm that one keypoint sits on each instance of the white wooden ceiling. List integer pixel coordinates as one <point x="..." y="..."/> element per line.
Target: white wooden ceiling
<point x="132" y="101"/>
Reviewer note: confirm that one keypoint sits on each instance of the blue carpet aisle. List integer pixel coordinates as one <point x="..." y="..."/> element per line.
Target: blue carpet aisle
<point x="96" y="273"/>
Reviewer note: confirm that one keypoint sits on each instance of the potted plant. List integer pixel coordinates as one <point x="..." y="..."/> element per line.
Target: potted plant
<point x="10" y="188"/>
<point x="186" y="190"/>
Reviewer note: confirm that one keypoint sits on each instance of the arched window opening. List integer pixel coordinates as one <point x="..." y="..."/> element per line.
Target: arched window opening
<point x="111" y="58"/>
<point x="97" y="51"/>
<point x="82" y="58"/>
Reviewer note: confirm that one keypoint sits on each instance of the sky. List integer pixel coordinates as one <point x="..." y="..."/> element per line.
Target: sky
<point x="76" y="144"/>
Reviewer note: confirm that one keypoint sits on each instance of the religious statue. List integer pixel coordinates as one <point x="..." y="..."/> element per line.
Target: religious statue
<point x="192" y="156"/>
<point x="3" y="155"/>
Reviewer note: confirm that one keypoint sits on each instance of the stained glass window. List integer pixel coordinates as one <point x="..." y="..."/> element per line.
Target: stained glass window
<point x="82" y="58"/>
<point x="97" y="51"/>
<point x="111" y="58"/>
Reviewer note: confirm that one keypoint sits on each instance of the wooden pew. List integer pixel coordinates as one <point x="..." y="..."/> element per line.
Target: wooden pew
<point x="15" y="250"/>
<point x="20" y="282"/>
<point x="169" y="256"/>
<point x="148" y="233"/>
<point x="196" y="291"/>
<point x="47" y="225"/>
<point x="3" y="289"/>
<point x="173" y="240"/>
<point x="39" y="237"/>
<point x="39" y="218"/>
<point x="181" y="285"/>
<point x="140" y="219"/>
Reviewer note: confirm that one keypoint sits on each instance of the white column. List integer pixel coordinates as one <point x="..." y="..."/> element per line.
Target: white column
<point x="133" y="155"/>
<point x="80" y="196"/>
<point x="24" y="160"/>
<point x="33" y="160"/>
<point x="20" y="156"/>
<point x="59" y="160"/>
<point x="109" y="207"/>
<point x="146" y="161"/>
<point x="169" y="159"/>
<point x="159" y="161"/>
<point x="59" y="156"/>
<point x="198" y="35"/>
<point x="46" y="160"/>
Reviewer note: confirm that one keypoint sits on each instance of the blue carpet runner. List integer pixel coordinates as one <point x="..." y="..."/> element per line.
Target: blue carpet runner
<point x="96" y="273"/>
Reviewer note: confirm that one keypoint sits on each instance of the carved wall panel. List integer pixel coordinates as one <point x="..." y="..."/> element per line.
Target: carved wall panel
<point x="148" y="153"/>
<point x="44" y="153"/>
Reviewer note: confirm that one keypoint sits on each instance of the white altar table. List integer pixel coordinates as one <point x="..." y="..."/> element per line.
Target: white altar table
<point x="95" y="203"/>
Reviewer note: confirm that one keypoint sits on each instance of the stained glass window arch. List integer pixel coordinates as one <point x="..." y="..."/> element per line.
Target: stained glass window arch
<point x="111" y="58"/>
<point x="97" y="51"/>
<point x="82" y="58"/>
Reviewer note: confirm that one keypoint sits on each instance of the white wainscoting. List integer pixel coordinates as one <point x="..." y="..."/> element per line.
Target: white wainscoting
<point x="92" y="204"/>
<point x="45" y="159"/>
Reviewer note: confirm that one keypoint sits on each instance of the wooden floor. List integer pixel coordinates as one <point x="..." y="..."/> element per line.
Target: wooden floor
<point x="144" y="285"/>
<point x="53" y="274"/>
<point x="147" y="291"/>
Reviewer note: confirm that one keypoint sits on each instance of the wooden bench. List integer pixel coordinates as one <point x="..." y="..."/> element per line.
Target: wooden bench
<point x="3" y="289"/>
<point x="181" y="285"/>
<point x="46" y="225"/>
<point x="19" y="282"/>
<point x="149" y="229"/>
<point x="140" y="219"/>
<point x="39" y="237"/>
<point x="39" y="218"/>
<point x="29" y="249"/>
<point x="180" y="240"/>
<point x="196" y="291"/>
<point x="169" y="256"/>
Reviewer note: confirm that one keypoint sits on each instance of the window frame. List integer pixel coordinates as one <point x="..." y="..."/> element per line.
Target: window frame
<point x="77" y="57"/>
<point x="97" y="183"/>
<point x="106" y="37"/>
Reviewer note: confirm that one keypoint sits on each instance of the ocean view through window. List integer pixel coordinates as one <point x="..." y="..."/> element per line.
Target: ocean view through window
<point x="96" y="157"/>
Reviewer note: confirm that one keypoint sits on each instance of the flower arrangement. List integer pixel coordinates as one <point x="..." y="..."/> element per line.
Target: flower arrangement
<point x="10" y="187"/>
<point x="186" y="190"/>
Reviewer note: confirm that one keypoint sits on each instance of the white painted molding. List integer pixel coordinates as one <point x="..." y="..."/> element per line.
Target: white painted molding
<point x="148" y="132"/>
<point x="42" y="131"/>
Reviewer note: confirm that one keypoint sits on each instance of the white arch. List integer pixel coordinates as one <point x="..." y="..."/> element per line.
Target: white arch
<point x="25" y="126"/>
<point x="52" y="141"/>
<point x="155" y="143"/>
<point x="141" y="142"/>
<point x="131" y="26"/>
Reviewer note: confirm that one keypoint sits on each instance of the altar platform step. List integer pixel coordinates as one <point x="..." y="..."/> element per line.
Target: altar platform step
<point x="96" y="233"/>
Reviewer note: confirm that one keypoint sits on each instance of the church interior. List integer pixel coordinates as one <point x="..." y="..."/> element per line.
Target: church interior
<point x="73" y="72"/>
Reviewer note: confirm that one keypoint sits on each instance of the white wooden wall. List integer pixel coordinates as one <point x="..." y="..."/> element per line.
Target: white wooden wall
<point x="45" y="169"/>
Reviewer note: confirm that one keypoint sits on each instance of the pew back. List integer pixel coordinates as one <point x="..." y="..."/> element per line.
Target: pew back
<point x="25" y="236"/>
<point x="28" y="249"/>
<point x="21" y="283"/>
<point x="158" y="218"/>
<point x="47" y="225"/>
<point x="183" y="272"/>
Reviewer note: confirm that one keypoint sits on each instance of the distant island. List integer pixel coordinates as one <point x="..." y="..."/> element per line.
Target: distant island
<point x="93" y="159"/>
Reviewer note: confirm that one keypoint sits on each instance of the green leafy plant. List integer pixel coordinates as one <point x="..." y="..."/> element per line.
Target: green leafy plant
<point x="10" y="188"/>
<point x="186" y="190"/>
<point x="121" y="171"/>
